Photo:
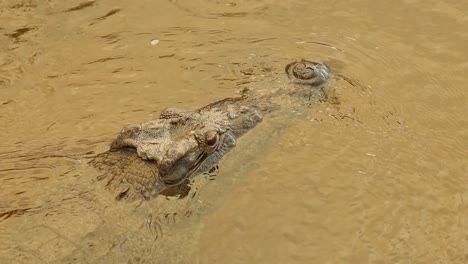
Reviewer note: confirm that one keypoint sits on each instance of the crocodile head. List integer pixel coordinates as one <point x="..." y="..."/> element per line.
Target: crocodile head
<point x="183" y="144"/>
<point x="148" y="158"/>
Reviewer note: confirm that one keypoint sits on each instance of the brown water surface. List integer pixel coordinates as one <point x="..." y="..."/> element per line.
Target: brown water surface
<point x="379" y="178"/>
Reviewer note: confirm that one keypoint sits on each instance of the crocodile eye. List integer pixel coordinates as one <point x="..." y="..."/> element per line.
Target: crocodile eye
<point x="211" y="138"/>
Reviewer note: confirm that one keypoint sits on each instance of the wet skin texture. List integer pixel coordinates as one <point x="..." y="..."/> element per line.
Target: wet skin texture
<point x="148" y="158"/>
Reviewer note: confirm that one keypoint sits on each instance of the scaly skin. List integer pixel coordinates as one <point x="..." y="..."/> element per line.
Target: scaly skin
<point x="148" y="158"/>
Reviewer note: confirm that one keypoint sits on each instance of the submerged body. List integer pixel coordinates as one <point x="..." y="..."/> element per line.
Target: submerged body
<point x="148" y="158"/>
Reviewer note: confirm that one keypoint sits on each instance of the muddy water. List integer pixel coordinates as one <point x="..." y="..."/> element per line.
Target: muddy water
<point x="378" y="178"/>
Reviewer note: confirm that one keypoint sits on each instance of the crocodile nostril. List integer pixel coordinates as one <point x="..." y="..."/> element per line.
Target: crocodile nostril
<point x="303" y="71"/>
<point x="307" y="74"/>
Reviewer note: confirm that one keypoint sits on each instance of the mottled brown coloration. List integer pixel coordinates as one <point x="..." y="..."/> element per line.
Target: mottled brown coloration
<point x="127" y="175"/>
<point x="148" y="158"/>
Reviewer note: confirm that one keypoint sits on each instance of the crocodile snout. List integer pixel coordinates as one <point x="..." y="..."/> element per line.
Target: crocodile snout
<point x="308" y="72"/>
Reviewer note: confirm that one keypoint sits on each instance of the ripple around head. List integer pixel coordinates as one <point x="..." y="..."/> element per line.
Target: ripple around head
<point x="395" y="69"/>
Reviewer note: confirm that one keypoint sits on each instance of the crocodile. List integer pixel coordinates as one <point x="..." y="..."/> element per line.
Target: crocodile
<point x="147" y="159"/>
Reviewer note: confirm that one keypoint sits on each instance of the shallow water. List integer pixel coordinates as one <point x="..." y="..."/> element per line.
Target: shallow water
<point x="378" y="178"/>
